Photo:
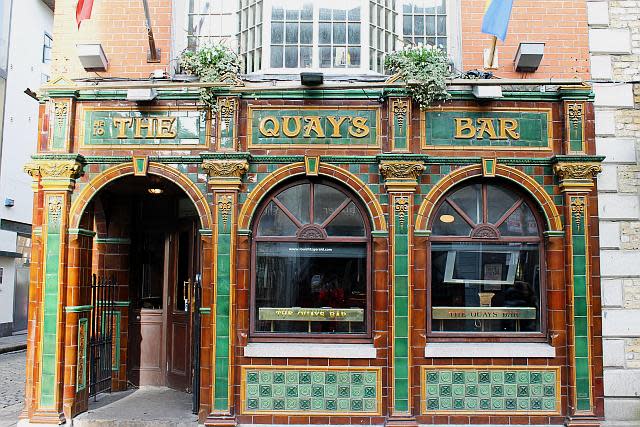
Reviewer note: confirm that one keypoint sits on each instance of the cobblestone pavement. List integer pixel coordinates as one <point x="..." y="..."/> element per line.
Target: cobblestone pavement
<point x="12" y="377"/>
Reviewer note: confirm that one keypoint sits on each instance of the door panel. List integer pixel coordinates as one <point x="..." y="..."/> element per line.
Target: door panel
<point x="147" y="367"/>
<point x="179" y="307"/>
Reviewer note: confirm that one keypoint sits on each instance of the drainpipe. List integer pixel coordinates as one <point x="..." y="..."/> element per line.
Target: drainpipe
<point x="154" y="53"/>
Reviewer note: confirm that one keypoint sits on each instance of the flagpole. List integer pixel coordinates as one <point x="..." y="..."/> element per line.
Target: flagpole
<point x="492" y="51"/>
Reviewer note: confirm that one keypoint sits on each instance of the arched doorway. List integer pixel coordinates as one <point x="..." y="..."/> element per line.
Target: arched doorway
<point x="147" y="241"/>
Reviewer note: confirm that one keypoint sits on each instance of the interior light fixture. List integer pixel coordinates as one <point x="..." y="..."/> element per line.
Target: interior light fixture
<point x="155" y="191"/>
<point x="447" y="218"/>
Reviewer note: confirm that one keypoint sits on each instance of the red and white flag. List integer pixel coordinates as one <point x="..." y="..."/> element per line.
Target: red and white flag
<point x="83" y="10"/>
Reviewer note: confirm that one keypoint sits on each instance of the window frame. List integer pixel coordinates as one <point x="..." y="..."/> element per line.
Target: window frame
<point x="492" y="336"/>
<point x="180" y="24"/>
<point x="47" y="38"/>
<point x="259" y="336"/>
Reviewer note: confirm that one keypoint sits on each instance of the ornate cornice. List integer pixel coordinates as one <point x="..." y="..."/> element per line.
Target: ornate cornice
<point x="225" y="174"/>
<point x="55" y="174"/>
<point x="577" y="177"/>
<point x="401" y="176"/>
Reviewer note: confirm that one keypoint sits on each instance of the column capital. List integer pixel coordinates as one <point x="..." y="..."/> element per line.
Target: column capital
<point x="401" y="176"/>
<point x="55" y="174"/>
<point x="577" y="176"/>
<point x="225" y="174"/>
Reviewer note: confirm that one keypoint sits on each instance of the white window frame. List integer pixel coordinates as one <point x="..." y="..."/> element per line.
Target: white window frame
<point x="454" y="30"/>
<point x="454" y="37"/>
<point x="315" y="52"/>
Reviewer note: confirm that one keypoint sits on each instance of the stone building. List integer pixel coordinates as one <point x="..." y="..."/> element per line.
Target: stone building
<point x="614" y="37"/>
<point x="324" y="254"/>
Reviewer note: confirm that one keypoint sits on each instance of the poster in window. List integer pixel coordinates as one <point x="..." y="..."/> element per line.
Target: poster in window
<point x="514" y="223"/>
<point x="492" y="272"/>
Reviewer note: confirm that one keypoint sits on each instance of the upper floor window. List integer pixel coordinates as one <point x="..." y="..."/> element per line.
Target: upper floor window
<point x="47" y="45"/>
<point x="311" y="257"/>
<point x="486" y="263"/>
<point x="335" y="36"/>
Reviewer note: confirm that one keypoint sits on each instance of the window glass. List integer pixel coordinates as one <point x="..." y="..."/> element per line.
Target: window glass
<point x="339" y="36"/>
<point x="297" y="278"/>
<point x="311" y="277"/>
<point x="291" y="34"/>
<point x="478" y="287"/>
<point x="46" y="48"/>
<point x="425" y="22"/>
<point x="485" y="262"/>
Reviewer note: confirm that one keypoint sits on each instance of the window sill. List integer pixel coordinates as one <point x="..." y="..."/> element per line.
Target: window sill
<point x="317" y="351"/>
<point x="492" y="350"/>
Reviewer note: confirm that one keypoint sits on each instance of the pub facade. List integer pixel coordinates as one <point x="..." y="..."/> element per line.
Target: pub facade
<point x="328" y="254"/>
<point x="321" y="256"/>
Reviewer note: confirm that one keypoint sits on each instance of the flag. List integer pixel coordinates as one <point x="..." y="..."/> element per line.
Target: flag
<point x="496" y="18"/>
<point x="83" y="10"/>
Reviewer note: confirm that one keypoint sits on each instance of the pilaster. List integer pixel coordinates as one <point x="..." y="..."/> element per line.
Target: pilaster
<point x="401" y="180"/>
<point x="225" y="179"/>
<point x="576" y="182"/>
<point x="55" y="178"/>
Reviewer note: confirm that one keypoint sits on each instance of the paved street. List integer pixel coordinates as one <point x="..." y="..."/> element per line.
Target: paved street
<point x="12" y="376"/>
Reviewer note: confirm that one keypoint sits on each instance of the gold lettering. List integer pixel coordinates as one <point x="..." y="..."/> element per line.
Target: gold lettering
<point x="486" y="126"/>
<point x="122" y="123"/>
<point x="272" y="131"/>
<point x="285" y="126"/>
<point x="142" y="123"/>
<point x="336" y="123"/>
<point x="359" y="128"/>
<point x="313" y="124"/>
<point x="509" y="127"/>
<point x="165" y="127"/>
<point x="464" y="128"/>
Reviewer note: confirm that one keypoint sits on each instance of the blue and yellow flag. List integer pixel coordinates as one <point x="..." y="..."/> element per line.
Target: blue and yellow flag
<point x="496" y="18"/>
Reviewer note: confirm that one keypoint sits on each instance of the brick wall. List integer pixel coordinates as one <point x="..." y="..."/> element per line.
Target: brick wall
<point x="615" y="55"/>
<point x="119" y="26"/>
<point x="561" y="25"/>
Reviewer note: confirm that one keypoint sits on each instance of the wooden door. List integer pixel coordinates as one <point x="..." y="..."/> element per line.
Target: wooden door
<point x="180" y="306"/>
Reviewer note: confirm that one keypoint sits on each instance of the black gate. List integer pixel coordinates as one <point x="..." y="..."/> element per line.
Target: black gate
<point x="101" y="339"/>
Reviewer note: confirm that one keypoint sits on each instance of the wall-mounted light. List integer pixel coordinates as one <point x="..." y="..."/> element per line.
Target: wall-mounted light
<point x="141" y="94"/>
<point x="528" y="57"/>
<point x="92" y="57"/>
<point x="308" y="78"/>
<point x="8" y="202"/>
<point x="155" y="191"/>
<point x="487" y="91"/>
<point x="447" y="219"/>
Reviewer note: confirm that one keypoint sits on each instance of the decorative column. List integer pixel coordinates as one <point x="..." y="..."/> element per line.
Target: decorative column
<point x="225" y="179"/>
<point x="55" y="175"/>
<point x="401" y="180"/>
<point x="576" y="182"/>
<point x="400" y="126"/>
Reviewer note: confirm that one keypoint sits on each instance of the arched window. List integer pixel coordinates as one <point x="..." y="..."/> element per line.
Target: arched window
<point x="486" y="263"/>
<point x="311" y="258"/>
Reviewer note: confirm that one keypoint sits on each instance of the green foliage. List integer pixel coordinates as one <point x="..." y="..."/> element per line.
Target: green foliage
<point x="425" y="69"/>
<point x="210" y="64"/>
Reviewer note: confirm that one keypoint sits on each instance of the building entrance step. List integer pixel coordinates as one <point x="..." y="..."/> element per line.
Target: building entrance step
<point x="143" y="407"/>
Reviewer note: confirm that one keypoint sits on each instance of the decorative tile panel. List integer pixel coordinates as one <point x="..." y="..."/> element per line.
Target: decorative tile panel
<point x="328" y="391"/>
<point x="227" y="123"/>
<point x="83" y="329"/>
<point x="574" y="126"/>
<point x="59" y="138"/>
<point x="490" y="390"/>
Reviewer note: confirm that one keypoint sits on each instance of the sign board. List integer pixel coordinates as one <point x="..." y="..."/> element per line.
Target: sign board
<point x="278" y="127"/>
<point x="483" y="313"/>
<point x="312" y="314"/>
<point x="524" y="128"/>
<point x="156" y="127"/>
